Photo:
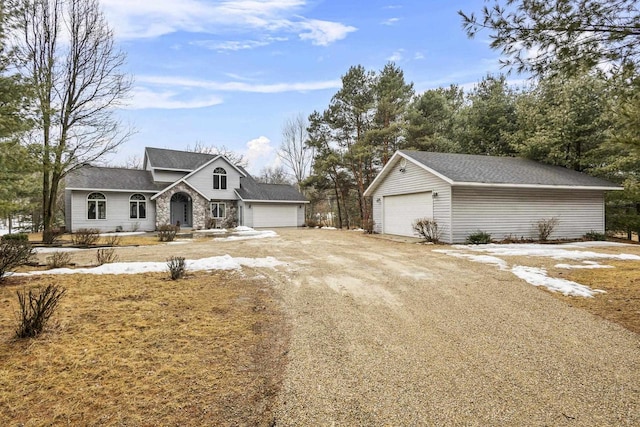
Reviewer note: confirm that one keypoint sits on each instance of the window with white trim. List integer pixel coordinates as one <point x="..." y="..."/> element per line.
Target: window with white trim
<point x="96" y="206"/>
<point x="219" y="179"/>
<point x="218" y="210"/>
<point x="137" y="207"/>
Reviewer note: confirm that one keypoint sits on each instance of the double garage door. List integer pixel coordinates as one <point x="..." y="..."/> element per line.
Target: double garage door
<point x="275" y="215"/>
<point x="399" y="212"/>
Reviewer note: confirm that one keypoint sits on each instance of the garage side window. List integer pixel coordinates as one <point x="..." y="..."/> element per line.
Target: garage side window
<point x="96" y="206"/>
<point x="218" y="210"/>
<point x="137" y="207"/>
<point x="219" y="179"/>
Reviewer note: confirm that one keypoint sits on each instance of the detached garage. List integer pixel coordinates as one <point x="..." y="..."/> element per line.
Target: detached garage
<point x="504" y="196"/>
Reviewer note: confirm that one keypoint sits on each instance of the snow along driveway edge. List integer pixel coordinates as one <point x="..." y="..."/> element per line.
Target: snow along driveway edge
<point x="224" y="262"/>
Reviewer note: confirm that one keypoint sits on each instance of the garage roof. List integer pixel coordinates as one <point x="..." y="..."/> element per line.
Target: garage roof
<point x="478" y="170"/>
<point x="255" y="191"/>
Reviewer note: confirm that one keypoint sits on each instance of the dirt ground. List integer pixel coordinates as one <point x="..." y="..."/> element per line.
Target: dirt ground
<point x="388" y="332"/>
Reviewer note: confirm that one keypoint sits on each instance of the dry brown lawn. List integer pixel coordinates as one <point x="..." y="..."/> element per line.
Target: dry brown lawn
<point x="145" y="350"/>
<point x="621" y="303"/>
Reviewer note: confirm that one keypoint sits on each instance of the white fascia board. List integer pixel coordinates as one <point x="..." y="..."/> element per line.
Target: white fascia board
<point x="183" y="180"/>
<point x="539" y="186"/>
<point x="111" y="190"/>
<point x="383" y="173"/>
<point x="171" y="170"/>
<point x="293" y="202"/>
<point x="391" y="163"/>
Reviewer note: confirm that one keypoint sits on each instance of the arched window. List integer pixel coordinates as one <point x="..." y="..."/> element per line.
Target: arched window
<point x="137" y="207"/>
<point x="219" y="179"/>
<point x="96" y="206"/>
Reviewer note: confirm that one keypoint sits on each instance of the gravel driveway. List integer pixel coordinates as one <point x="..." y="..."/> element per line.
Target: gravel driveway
<point x="391" y="333"/>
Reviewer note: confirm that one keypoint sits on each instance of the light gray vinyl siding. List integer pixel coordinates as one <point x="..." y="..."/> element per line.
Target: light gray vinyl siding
<point x="67" y="210"/>
<point x="505" y="212"/>
<point x="203" y="181"/>
<point x="117" y="213"/>
<point x="414" y="180"/>
<point x="167" y="176"/>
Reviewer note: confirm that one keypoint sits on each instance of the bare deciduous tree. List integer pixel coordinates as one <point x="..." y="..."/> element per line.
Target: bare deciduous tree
<point x="273" y="175"/>
<point x="66" y="49"/>
<point x="294" y="152"/>
<point x="234" y="157"/>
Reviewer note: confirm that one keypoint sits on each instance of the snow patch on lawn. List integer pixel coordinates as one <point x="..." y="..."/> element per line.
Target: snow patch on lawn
<point x="546" y="251"/>
<point x="538" y="277"/>
<point x="211" y="231"/>
<point x="49" y="250"/>
<point x="224" y="262"/>
<point x="493" y="253"/>
<point x="328" y="228"/>
<point x="485" y="259"/>
<point x="122" y="233"/>
<point x="585" y="264"/>
<point x="247" y="233"/>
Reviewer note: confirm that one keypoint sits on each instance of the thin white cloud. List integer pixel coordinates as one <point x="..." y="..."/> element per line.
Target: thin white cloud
<point x="147" y="19"/>
<point x="323" y="33"/>
<point x="396" y="56"/>
<point x="418" y="56"/>
<point x="235" y="45"/>
<point x="238" y="86"/>
<point x="143" y="98"/>
<point x="390" y="21"/>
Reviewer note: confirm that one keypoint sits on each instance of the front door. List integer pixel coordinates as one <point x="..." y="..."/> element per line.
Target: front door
<point x="181" y="209"/>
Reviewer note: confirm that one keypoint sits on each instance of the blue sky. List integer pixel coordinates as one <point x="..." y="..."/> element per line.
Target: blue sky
<point x="230" y="72"/>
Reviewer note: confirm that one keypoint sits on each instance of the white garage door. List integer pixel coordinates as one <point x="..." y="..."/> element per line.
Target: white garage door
<point x="275" y="215"/>
<point x="401" y="211"/>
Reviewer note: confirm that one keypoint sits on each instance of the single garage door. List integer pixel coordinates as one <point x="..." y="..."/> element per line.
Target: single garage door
<point x="275" y="215"/>
<point x="401" y="211"/>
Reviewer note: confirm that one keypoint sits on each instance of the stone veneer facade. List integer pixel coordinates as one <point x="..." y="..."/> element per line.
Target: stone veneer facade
<point x="199" y="206"/>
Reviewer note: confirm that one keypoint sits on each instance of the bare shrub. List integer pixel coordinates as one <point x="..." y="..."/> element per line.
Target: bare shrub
<point x="51" y="236"/>
<point x="546" y="227"/>
<point x="106" y="256"/>
<point x="210" y="223"/>
<point x="14" y="253"/>
<point x="135" y="226"/>
<point x="167" y="232"/>
<point x="368" y="225"/>
<point x="427" y="228"/>
<point x="177" y="267"/>
<point x="36" y="308"/>
<point x="231" y="220"/>
<point x="112" y="240"/>
<point x="86" y="236"/>
<point x="58" y="259"/>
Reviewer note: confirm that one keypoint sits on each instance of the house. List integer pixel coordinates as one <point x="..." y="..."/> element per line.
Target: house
<point x="194" y="190"/>
<point x="503" y="196"/>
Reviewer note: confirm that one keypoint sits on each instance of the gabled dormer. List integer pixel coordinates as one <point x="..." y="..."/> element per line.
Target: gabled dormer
<point x="171" y="165"/>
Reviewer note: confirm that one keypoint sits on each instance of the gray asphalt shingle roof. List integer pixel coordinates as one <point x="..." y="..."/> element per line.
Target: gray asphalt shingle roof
<point x="469" y="168"/>
<point x="93" y="177"/>
<point x="163" y="158"/>
<point x="252" y="190"/>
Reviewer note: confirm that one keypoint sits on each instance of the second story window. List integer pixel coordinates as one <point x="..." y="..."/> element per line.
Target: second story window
<point x="219" y="179"/>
